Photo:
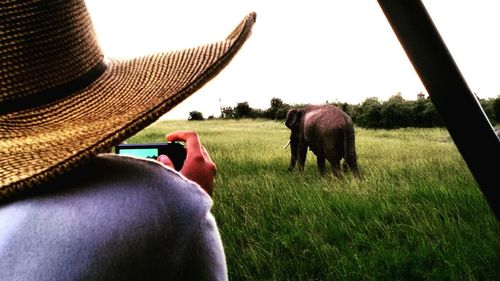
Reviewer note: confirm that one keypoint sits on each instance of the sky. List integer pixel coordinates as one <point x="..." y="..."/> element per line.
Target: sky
<point x="301" y="51"/>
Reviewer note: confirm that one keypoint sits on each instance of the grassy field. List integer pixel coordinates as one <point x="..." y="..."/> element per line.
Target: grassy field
<point x="417" y="213"/>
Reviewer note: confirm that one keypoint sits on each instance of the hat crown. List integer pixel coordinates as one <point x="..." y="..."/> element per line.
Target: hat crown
<point x="44" y="44"/>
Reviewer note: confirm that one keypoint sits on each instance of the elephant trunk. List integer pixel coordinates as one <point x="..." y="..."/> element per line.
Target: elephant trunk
<point x="293" y="142"/>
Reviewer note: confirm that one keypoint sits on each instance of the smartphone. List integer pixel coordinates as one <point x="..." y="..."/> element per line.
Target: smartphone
<point x="174" y="150"/>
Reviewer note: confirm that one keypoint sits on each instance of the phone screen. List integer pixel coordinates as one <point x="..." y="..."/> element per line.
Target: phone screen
<point x="174" y="150"/>
<point x="151" y="153"/>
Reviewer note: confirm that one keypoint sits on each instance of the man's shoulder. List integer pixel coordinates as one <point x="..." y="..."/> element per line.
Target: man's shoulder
<point x="137" y="177"/>
<point x="111" y="192"/>
<point x="106" y="211"/>
<point x="110" y="182"/>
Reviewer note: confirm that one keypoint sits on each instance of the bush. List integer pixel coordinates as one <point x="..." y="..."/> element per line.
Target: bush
<point x="426" y="115"/>
<point x="195" y="116"/>
<point x="227" y="113"/>
<point x="277" y="111"/>
<point x="242" y="110"/>
<point x="368" y="114"/>
<point x="396" y="113"/>
<point x="496" y="109"/>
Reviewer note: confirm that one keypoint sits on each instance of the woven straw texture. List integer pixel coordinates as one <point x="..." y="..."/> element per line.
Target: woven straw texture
<point x="40" y="48"/>
<point x="39" y="143"/>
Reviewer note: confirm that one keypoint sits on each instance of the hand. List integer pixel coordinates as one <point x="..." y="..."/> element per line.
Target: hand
<point x="198" y="166"/>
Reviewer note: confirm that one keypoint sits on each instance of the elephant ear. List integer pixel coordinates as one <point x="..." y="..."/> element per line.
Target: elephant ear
<point x="292" y="119"/>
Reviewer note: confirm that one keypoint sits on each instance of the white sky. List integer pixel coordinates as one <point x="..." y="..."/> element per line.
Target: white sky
<point x="302" y="51"/>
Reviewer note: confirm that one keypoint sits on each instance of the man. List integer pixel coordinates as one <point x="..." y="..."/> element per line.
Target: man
<point x="67" y="213"/>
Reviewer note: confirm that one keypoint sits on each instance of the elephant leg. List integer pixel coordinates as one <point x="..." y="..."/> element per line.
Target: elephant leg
<point x="333" y="152"/>
<point x="293" y="160"/>
<point x="344" y="166"/>
<point x="354" y="166"/>
<point x="336" y="168"/>
<point x="335" y="162"/>
<point x="350" y="154"/>
<point x="320" y="160"/>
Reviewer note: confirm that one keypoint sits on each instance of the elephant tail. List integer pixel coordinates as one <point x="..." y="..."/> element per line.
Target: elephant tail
<point x="346" y="148"/>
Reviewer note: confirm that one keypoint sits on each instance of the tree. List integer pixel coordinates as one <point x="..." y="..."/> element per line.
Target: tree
<point x="425" y="113"/>
<point x="496" y="109"/>
<point x="281" y="113"/>
<point x="242" y="110"/>
<point x="368" y="113"/>
<point x="195" y="116"/>
<point x="227" y="112"/>
<point x="396" y="113"/>
<point x="277" y="111"/>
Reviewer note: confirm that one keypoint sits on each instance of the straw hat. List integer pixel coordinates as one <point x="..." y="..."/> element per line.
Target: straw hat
<point x="62" y="103"/>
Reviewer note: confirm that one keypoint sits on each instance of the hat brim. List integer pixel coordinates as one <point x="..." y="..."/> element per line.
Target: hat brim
<point x="39" y="143"/>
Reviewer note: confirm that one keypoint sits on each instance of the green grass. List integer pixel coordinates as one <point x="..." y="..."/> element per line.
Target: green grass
<point x="417" y="213"/>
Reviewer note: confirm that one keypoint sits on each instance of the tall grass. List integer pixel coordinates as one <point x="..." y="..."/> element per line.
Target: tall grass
<point x="416" y="214"/>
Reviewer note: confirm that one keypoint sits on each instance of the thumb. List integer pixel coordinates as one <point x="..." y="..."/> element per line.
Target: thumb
<point x="166" y="161"/>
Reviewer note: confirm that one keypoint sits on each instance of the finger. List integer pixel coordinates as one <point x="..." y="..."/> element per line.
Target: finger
<point x="166" y="161"/>
<point x="205" y="153"/>
<point x="193" y="145"/>
<point x="180" y="135"/>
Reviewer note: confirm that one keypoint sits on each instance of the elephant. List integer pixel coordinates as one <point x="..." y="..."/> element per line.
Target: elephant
<point x="327" y="131"/>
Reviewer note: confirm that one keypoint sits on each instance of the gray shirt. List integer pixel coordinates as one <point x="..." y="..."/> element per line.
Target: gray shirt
<point x="113" y="218"/>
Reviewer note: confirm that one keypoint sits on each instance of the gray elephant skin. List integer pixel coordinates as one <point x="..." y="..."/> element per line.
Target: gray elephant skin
<point x="327" y="131"/>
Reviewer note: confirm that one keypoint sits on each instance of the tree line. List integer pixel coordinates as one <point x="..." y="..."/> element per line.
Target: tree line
<point x="396" y="112"/>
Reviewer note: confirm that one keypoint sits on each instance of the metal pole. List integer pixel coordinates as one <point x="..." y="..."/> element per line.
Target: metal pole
<point x="459" y="109"/>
